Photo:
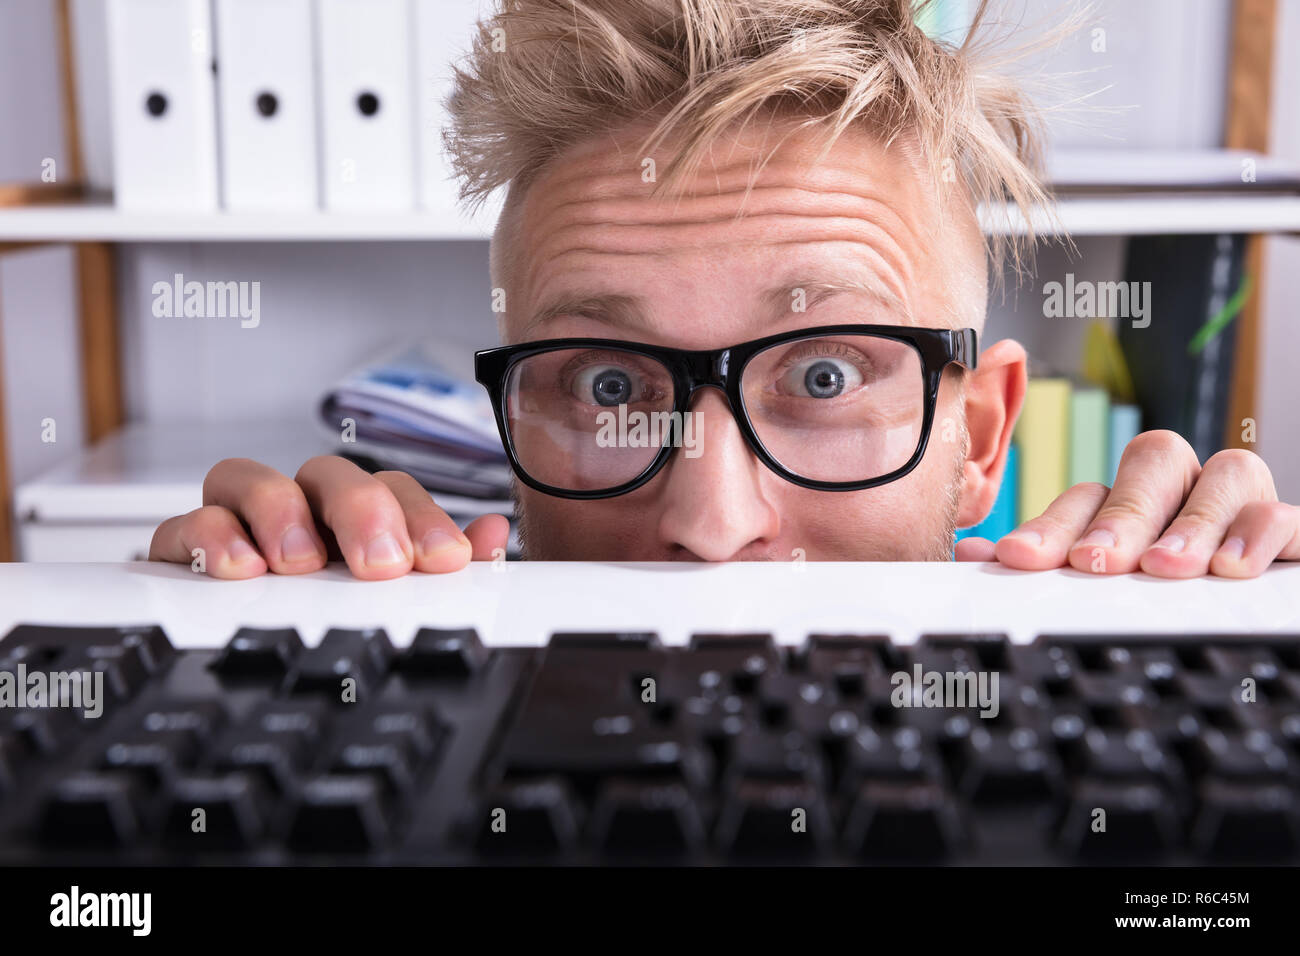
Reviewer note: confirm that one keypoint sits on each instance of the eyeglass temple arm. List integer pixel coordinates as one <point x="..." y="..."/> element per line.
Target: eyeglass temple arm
<point x="965" y="348"/>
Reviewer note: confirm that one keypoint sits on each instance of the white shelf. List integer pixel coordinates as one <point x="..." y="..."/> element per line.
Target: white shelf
<point x="1127" y="214"/>
<point x="103" y="222"/>
<point x="1135" y="214"/>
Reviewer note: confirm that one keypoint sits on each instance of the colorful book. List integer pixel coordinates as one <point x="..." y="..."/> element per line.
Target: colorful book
<point x="1125" y="423"/>
<point x="1043" y="435"/>
<point x="1089" y="432"/>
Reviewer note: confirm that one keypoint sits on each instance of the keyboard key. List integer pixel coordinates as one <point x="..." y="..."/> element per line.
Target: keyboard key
<point x="362" y="656"/>
<point x="1006" y="766"/>
<point x="275" y="763"/>
<point x="389" y="762"/>
<point x="41" y="733"/>
<point x="1212" y="692"/>
<point x="259" y="653"/>
<point x="124" y="673"/>
<point x="45" y="644"/>
<point x="873" y="652"/>
<point x="1115" y="754"/>
<point x="152" y="758"/>
<point x="988" y="651"/>
<point x="410" y="725"/>
<point x="233" y="813"/>
<point x="1113" y="691"/>
<point x="1252" y="755"/>
<point x="1139" y="822"/>
<point x="528" y="818"/>
<point x="773" y="818"/>
<point x="785" y="757"/>
<point x="604" y="640"/>
<point x="754" y="642"/>
<point x="445" y="653"/>
<point x="275" y="742"/>
<point x="902" y="821"/>
<point x="1257" y="663"/>
<point x="155" y="649"/>
<point x="655" y="819"/>
<point x="198" y="719"/>
<point x="1245" y="823"/>
<point x="339" y="813"/>
<point x="93" y="810"/>
<point x="303" y="720"/>
<point x="874" y="756"/>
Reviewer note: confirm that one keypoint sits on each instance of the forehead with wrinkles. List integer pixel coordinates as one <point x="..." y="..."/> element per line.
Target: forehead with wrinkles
<point x="590" y="237"/>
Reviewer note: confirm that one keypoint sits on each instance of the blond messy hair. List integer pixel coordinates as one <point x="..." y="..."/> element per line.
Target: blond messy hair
<point x="547" y="74"/>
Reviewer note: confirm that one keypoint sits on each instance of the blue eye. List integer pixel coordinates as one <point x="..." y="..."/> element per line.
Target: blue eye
<point x="823" y="380"/>
<point x="820" y="377"/>
<point x="604" y="385"/>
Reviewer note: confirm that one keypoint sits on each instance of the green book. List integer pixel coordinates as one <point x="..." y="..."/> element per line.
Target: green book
<point x="1089" y="433"/>
<point x="1043" y="436"/>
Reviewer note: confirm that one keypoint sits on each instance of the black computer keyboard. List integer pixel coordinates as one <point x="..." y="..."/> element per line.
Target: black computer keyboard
<point x="609" y="748"/>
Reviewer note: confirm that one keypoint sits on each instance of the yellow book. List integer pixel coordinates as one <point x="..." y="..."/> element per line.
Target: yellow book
<point x="1043" y="436"/>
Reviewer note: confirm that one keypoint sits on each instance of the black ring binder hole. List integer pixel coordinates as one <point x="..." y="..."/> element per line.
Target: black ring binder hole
<point x="368" y="104"/>
<point x="267" y="104"/>
<point x="156" y="104"/>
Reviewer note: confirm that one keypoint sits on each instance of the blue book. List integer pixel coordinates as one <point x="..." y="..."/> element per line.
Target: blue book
<point x="1001" y="521"/>
<point x="1125" y="423"/>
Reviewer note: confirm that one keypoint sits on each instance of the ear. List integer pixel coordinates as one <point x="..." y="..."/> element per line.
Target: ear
<point x="995" y="393"/>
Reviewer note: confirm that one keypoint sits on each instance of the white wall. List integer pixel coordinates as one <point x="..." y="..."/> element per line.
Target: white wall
<point x="325" y="307"/>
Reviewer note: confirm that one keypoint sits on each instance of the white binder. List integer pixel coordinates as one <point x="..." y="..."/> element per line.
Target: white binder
<point x="444" y="32"/>
<point x="364" y="64"/>
<point x="267" y="104"/>
<point x="163" y="104"/>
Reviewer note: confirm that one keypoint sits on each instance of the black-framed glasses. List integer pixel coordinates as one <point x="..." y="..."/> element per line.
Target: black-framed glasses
<point x="834" y="408"/>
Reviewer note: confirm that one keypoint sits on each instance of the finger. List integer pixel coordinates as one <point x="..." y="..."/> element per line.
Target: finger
<point x="1156" y="473"/>
<point x="211" y="535"/>
<point x="275" y="510"/>
<point x="1044" y="542"/>
<point x="487" y="534"/>
<point x="974" y="549"/>
<point x="366" y="519"/>
<point x="1230" y="481"/>
<point x="439" y="544"/>
<point x="1263" y="532"/>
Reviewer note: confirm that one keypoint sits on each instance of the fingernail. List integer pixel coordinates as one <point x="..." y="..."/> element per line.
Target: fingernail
<point x="239" y="550"/>
<point x="383" y="551"/>
<point x="1027" y="535"/>
<point x="1233" y="548"/>
<point x="437" y="541"/>
<point x="1171" y="542"/>
<point x="1098" y="539"/>
<point x="297" y="545"/>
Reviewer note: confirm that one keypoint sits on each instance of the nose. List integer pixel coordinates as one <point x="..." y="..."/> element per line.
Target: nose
<point x="713" y="504"/>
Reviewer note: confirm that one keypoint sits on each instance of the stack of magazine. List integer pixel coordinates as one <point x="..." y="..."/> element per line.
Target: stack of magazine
<point x="409" y="411"/>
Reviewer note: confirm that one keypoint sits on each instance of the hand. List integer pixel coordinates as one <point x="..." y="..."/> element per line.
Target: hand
<point x="255" y="519"/>
<point x="1166" y="516"/>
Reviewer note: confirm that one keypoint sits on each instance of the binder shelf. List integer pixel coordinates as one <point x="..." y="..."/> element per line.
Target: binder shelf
<point x="100" y="221"/>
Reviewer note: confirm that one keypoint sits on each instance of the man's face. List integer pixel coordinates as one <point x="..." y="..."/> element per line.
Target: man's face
<point x="856" y="236"/>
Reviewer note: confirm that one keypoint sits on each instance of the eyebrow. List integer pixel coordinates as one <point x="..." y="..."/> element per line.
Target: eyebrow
<point x="623" y="311"/>
<point x="781" y="298"/>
